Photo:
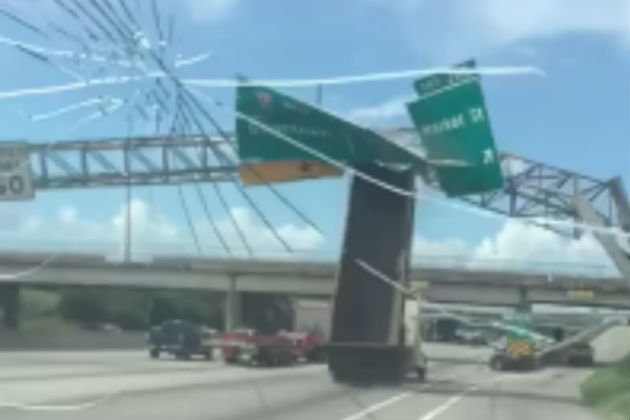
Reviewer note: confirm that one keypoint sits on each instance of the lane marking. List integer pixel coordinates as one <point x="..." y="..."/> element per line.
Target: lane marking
<point x="74" y="407"/>
<point x="375" y="407"/>
<point x="448" y="404"/>
<point x="456" y="398"/>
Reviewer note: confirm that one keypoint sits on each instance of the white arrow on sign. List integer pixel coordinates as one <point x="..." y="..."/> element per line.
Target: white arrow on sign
<point x="488" y="157"/>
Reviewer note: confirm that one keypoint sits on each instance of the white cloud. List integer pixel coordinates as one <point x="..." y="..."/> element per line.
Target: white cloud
<point x="152" y="233"/>
<point x="383" y="112"/>
<point x="508" y="21"/>
<point x="517" y="241"/>
<point x="518" y="245"/>
<point x="258" y="236"/>
<point x="145" y="223"/>
<point x="439" y="248"/>
<point x="515" y="244"/>
<point x="203" y="11"/>
<point x="514" y="166"/>
<point x="68" y="215"/>
<point x="450" y="30"/>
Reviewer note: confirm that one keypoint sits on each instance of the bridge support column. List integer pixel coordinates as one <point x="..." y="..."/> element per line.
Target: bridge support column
<point x="10" y="302"/>
<point x="524" y="305"/>
<point x="233" y="307"/>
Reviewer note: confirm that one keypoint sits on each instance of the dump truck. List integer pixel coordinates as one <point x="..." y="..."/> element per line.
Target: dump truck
<point x="374" y="333"/>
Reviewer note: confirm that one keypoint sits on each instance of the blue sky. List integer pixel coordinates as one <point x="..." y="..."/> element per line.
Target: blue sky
<point x="574" y="117"/>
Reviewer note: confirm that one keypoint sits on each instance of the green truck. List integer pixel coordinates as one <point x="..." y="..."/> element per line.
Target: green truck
<point x="182" y="339"/>
<point x="517" y="350"/>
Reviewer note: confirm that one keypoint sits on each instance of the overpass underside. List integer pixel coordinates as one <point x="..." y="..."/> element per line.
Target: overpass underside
<point x="481" y="289"/>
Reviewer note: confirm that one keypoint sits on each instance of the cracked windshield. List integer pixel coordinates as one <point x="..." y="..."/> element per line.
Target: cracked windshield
<point x="338" y="210"/>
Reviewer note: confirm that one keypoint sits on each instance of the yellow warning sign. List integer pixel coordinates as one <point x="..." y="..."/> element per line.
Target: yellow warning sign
<point x="581" y="294"/>
<point x="520" y="348"/>
<point x="285" y="171"/>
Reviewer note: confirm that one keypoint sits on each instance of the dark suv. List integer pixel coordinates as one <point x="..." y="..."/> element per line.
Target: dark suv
<point x="182" y="339"/>
<point x="580" y="354"/>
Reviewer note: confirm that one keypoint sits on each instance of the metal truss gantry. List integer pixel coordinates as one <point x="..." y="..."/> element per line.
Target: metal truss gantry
<point x="532" y="189"/>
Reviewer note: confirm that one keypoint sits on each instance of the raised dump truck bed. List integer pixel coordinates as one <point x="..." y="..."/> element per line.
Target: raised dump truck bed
<point x="367" y="337"/>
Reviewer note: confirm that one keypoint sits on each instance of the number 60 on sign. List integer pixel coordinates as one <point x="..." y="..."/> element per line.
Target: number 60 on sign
<point x="16" y="181"/>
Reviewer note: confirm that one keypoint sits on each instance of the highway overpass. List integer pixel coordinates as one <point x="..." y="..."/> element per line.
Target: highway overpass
<point x="302" y="279"/>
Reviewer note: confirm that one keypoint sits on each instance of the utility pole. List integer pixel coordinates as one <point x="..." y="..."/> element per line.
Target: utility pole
<point x="127" y="245"/>
<point x="128" y="221"/>
<point x="319" y="95"/>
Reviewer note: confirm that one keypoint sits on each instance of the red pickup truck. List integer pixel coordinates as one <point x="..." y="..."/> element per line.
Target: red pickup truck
<point x="306" y="346"/>
<point x="249" y="347"/>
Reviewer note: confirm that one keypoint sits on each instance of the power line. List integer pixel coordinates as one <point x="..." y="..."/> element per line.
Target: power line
<point x="179" y="114"/>
<point x="76" y="16"/>
<point x="126" y="11"/>
<point x="204" y="203"/>
<point x="182" y="199"/>
<point x="95" y="21"/>
<point x="23" y="23"/>
<point x="260" y="177"/>
<point x="127" y="250"/>
<point x="211" y="220"/>
<point x="156" y="18"/>
<point x="218" y="152"/>
<point x="105" y="21"/>
<point x="238" y="186"/>
<point x="191" y="227"/>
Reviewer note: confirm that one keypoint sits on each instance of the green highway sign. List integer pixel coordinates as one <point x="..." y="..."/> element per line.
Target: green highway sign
<point x="436" y="82"/>
<point x="452" y="120"/>
<point x="315" y="128"/>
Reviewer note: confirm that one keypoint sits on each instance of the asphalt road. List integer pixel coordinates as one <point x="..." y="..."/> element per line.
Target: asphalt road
<point x="128" y="385"/>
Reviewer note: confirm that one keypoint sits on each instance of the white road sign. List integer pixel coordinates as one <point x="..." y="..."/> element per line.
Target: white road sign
<point x="16" y="180"/>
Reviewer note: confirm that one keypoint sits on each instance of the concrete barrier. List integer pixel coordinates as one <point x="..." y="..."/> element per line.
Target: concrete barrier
<point x="71" y="340"/>
<point x="613" y="345"/>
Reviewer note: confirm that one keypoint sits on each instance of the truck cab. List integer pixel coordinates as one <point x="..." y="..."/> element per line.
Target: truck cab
<point x="417" y="358"/>
<point x="181" y="339"/>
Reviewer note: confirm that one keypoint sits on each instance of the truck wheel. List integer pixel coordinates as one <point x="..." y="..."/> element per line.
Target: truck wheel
<point x="530" y="364"/>
<point x="207" y="354"/>
<point x="290" y="359"/>
<point x="496" y="363"/>
<point x="316" y="355"/>
<point x="270" y="360"/>
<point x="275" y="360"/>
<point x="154" y="353"/>
<point x="182" y="355"/>
<point x="341" y="376"/>
<point x="421" y="374"/>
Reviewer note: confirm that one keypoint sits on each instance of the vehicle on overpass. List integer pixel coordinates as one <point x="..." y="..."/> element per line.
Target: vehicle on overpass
<point x="182" y="339"/>
<point x="470" y="337"/>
